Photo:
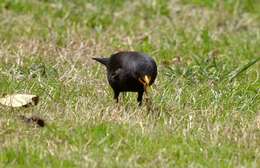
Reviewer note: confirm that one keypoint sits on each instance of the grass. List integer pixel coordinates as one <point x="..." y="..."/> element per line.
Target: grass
<point x="202" y="112"/>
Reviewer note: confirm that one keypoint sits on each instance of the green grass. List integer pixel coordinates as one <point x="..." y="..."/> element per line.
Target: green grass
<point x="203" y="110"/>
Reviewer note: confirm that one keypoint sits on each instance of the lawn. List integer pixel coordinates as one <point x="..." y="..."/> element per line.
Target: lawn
<point x="202" y="111"/>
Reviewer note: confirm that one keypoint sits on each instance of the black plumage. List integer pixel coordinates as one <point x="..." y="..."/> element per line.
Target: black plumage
<point x="129" y="72"/>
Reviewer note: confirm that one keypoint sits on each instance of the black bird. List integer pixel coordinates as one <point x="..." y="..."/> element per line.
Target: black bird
<point x="129" y="71"/>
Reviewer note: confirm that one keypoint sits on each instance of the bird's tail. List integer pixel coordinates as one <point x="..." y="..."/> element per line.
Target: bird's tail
<point x="103" y="61"/>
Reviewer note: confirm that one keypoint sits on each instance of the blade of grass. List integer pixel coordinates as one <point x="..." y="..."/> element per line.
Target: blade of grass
<point x="232" y="75"/>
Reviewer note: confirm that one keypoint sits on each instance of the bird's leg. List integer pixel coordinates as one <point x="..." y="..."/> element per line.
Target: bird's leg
<point x="140" y="97"/>
<point x="116" y="94"/>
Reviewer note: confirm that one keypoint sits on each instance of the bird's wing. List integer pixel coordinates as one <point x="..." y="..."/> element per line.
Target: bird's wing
<point x="115" y="75"/>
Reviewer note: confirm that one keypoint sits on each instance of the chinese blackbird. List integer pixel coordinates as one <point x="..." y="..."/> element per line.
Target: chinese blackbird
<point x="129" y="71"/>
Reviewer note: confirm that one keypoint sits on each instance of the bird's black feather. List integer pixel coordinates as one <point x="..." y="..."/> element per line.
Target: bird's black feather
<point x="103" y="61"/>
<point x="124" y="69"/>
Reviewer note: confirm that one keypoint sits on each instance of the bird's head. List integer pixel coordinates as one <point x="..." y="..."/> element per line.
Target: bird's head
<point x="145" y="81"/>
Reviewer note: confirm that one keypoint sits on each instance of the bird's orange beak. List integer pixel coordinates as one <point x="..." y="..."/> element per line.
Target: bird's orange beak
<point x="145" y="81"/>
